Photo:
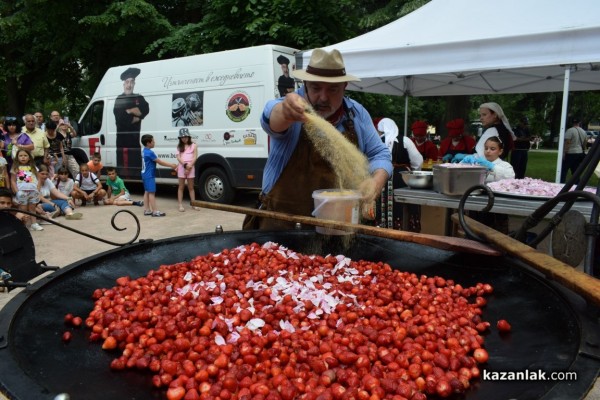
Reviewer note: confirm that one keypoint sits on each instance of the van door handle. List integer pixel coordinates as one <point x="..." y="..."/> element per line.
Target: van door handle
<point x="102" y="140"/>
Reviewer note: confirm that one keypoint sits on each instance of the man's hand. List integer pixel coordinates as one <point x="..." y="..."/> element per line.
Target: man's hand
<point x="293" y="106"/>
<point x="369" y="190"/>
<point x="290" y="110"/>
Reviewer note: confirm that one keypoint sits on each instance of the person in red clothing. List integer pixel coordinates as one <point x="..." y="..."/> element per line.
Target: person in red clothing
<point x="426" y="147"/>
<point x="456" y="142"/>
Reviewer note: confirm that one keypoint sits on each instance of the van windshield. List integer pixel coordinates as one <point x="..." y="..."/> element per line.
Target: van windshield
<point x="91" y="123"/>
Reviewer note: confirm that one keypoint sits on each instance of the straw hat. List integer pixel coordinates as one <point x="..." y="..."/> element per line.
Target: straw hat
<point x="325" y="67"/>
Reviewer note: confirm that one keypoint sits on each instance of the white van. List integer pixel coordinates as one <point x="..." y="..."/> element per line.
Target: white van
<point x="219" y="97"/>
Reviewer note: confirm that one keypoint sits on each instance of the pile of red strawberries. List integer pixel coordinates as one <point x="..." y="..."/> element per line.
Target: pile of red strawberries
<point x="264" y="322"/>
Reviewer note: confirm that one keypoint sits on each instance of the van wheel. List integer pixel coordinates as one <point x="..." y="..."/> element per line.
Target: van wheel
<point x="214" y="186"/>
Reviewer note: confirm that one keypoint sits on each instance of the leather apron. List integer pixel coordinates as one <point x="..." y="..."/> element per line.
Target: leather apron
<point x="305" y="172"/>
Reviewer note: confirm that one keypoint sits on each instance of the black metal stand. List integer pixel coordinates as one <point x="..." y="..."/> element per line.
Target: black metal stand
<point x="17" y="250"/>
<point x="582" y="175"/>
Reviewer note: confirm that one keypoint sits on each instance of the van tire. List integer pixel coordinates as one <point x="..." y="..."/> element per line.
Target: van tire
<point x="214" y="186"/>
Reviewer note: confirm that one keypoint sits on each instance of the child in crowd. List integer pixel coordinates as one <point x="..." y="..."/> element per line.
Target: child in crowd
<point x="95" y="164"/>
<point x="63" y="183"/>
<point x="51" y="200"/>
<point x="149" y="175"/>
<point x="88" y="187"/>
<point x="117" y="192"/>
<point x="498" y="169"/>
<point x="6" y="201"/>
<point x="4" y="179"/>
<point x="187" y="153"/>
<point x="24" y="180"/>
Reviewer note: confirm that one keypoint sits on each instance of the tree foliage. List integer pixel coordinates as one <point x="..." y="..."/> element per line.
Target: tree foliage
<point x="54" y="52"/>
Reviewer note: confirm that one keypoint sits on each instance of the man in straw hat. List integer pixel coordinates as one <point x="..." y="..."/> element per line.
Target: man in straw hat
<point x="295" y="168"/>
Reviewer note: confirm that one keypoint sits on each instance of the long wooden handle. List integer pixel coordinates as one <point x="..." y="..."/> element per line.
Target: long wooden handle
<point x="438" y="242"/>
<point x="582" y="283"/>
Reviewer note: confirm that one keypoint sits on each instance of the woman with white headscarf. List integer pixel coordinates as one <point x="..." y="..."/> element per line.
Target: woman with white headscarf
<point x="495" y="123"/>
<point x="390" y="138"/>
<point x="405" y="157"/>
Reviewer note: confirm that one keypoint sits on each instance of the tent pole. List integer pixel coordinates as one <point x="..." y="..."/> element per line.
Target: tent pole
<point x="405" y="114"/>
<point x="563" y="120"/>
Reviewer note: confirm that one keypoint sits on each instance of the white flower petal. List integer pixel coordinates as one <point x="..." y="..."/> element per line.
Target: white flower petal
<point x="255" y="324"/>
<point x="233" y="337"/>
<point x="219" y="340"/>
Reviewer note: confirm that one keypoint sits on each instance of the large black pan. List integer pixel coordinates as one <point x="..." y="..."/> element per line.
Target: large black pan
<point x="553" y="330"/>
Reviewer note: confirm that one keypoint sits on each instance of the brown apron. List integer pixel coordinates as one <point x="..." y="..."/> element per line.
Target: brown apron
<point x="305" y="172"/>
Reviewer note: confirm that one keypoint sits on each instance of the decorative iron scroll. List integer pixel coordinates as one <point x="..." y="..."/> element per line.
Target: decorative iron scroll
<point x="112" y="222"/>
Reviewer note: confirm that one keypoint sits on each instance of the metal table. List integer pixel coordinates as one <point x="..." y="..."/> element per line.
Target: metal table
<point x="502" y="204"/>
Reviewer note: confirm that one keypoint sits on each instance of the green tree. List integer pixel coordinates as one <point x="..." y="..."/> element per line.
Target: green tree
<point x="55" y="52"/>
<point x="231" y="24"/>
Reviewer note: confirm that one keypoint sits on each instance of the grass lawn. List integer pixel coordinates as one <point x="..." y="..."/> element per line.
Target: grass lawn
<point x="542" y="165"/>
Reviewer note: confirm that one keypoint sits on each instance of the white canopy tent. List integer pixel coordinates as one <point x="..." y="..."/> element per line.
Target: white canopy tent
<point x="465" y="47"/>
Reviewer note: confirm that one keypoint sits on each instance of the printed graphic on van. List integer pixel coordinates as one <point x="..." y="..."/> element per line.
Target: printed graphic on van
<point x="188" y="109"/>
<point x="285" y="83"/>
<point x="130" y="109"/>
<point x="249" y="138"/>
<point x="238" y="106"/>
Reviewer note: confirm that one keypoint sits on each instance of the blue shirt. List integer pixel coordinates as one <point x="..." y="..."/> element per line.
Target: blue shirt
<point x="149" y="167"/>
<point x="284" y="144"/>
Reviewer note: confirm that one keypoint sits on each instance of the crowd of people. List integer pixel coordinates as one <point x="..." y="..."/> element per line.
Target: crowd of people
<point x="40" y="176"/>
<point x="490" y="151"/>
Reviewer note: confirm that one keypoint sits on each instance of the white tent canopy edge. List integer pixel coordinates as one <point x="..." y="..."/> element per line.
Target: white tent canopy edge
<point x="466" y="47"/>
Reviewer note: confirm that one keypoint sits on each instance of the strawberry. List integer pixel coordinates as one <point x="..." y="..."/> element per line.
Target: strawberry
<point x="503" y="326"/>
<point x="66" y="337"/>
<point x="176" y="393"/>
<point x="110" y="343"/>
<point x="480" y="355"/>
<point x="123" y="281"/>
<point x="68" y="318"/>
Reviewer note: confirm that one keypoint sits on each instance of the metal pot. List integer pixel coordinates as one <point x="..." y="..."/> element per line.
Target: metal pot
<point x="552" y="330"/>
<point x="418" y="179"/>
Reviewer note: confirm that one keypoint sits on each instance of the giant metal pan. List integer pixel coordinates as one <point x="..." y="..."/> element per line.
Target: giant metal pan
<point x="553" y="329"/>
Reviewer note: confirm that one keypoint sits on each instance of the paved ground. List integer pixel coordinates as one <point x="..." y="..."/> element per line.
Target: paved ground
<point x="59" y="247"/>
